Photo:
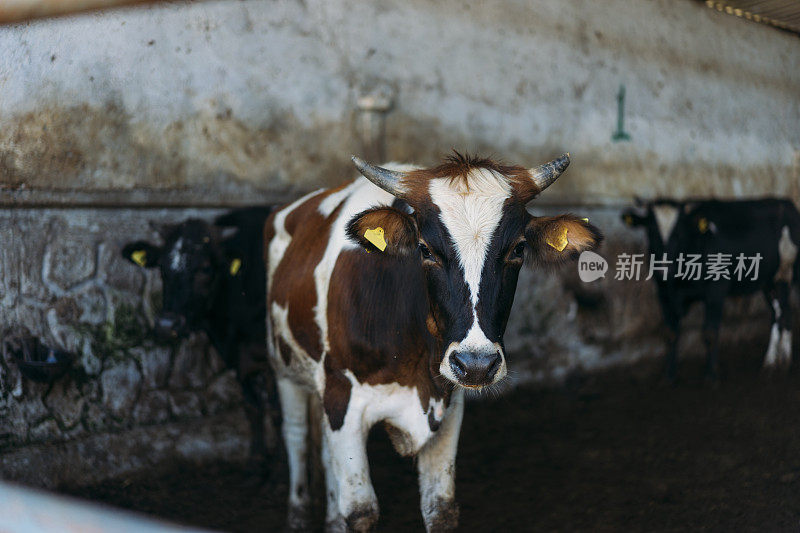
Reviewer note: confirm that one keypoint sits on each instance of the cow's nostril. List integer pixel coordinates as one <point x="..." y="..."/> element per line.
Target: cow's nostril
<point x="495" y="366"/>
<point x="459" y="368"/>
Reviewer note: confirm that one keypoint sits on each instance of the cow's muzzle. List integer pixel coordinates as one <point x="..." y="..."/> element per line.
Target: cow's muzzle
<point x="475" y="369"/>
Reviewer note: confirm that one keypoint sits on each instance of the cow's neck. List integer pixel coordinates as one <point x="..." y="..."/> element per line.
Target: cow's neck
<point x="384" y="338"/>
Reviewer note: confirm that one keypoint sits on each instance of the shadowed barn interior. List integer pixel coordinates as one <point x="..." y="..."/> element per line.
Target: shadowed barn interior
<point x="115" y="124"/>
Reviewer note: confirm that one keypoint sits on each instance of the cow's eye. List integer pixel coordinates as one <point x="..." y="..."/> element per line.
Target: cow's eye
<point x="518" y="252"/>
<point x="426" y="253"/>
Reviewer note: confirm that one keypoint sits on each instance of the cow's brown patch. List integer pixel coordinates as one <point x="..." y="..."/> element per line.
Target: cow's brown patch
<point x="383" y="337"/>
<point x="293" y="284"/>
<point x="336" y="397"/>
<point x="377" y="311"/>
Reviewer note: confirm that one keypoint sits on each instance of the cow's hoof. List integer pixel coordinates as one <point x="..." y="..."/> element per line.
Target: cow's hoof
<point x="443" y="518"/>
<point x="363" y="519"/>
<point x="299" y="518"/>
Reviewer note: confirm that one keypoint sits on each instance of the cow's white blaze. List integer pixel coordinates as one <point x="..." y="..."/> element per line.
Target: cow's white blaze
<point x="666" y="218"/>
<point x="177" y="257"/>
<point x="471" y="211"/>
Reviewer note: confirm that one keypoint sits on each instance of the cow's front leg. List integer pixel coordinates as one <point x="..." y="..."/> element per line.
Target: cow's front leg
<point x="294" y="407"/>
<point x="436" y="464"/>
<point x="783" y="291"/>
<point x="334" y="521"/>
<point x="671" y="310"/>
<point x="352" y="504"/>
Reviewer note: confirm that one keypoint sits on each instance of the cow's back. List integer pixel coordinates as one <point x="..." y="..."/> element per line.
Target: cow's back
<point x="751" y="228"/>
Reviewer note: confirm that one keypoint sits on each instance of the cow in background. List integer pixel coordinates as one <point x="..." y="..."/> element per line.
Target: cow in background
<point x="388" y="298"/>
<point x="769" y="227"/>
<point x="214" y="282"/>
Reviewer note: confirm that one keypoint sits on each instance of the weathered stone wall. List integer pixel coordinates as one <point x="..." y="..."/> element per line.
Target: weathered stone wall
<point x="63" y="279"/>
<point x="110" y="121"/>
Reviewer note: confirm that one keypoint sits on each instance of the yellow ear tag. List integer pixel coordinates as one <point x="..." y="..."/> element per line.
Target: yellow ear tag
<point x="629" y="220"/>
<point x="702" y="225"/>
<point x="559" y="239"/>
<point x="585" y="219"/>
<point x="375" y="236"/>
<point x="139" y="257"/>
<point x="236" y="264"/>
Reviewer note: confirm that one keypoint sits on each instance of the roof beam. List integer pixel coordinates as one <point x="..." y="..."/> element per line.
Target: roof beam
<point x="14" y="11"/>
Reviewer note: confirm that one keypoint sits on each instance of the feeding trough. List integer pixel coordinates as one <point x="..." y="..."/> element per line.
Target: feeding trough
<point x="36" y="361"/>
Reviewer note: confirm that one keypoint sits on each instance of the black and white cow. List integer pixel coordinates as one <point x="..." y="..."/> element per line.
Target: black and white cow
<point x="767" y="227"/>
<point x="387" y="298"/>
<point x="215" y="283"/>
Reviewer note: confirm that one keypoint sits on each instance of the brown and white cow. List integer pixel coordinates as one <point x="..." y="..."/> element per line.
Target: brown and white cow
<point x="389" y="296"/>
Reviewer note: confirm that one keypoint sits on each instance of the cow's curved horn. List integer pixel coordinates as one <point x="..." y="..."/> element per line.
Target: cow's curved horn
<point x="390" y="181"/>
<point x="544" y="175"/>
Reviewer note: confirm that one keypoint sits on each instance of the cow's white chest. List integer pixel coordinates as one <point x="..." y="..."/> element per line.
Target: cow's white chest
<point x="397" y="405"/>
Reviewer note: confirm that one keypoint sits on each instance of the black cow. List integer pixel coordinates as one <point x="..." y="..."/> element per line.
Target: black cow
<point x="215" y="284"/>
<point x="769" y="227"/>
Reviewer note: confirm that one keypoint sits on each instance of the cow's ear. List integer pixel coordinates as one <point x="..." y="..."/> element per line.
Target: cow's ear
<point x="384" y="230"/>
<point x="552" y="240"/>
<point x="234" y="265"/>
<point x="632" y="218"/>
<point x="142" y="254"/>
<point x="233" y="259"/>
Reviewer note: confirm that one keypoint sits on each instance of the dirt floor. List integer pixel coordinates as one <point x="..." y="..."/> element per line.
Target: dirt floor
<point x="613" y="452"/>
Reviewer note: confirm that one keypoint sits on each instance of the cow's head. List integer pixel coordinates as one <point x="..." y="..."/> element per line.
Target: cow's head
<point x="192" y="262"/>
<point x="470" y="230"/>
<point x="660" y="219"/>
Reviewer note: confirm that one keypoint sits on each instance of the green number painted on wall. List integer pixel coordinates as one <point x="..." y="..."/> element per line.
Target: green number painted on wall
<point x="621" y="134"/>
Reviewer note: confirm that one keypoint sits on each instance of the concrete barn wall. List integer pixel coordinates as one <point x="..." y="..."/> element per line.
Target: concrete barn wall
<point x="255" y="94"/>
<point x="110" y="121"/>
